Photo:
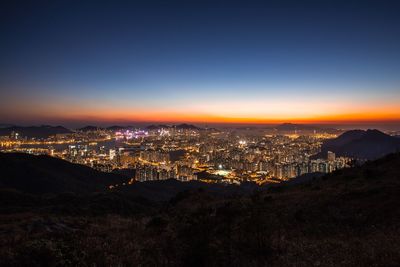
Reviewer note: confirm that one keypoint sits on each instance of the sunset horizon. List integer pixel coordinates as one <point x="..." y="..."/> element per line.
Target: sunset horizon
<point x="199" y="133"/>
<point x="255" y="63"/>
<point x="307" y="114"/>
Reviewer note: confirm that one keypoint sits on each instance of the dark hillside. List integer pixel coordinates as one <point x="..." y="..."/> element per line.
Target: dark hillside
<point x="348" y="218"/>
<point x="44" y="174"/>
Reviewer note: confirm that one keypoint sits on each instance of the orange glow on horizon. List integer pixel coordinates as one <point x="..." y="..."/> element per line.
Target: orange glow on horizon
<point x="212" y="112"/>
<point x="205" y="118"/>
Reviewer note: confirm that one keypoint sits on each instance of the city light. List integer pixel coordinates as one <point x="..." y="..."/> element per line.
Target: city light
<point x="171" y="152"/>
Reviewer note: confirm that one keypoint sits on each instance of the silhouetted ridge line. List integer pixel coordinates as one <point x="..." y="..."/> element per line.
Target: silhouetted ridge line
<point x="360" y="144"/>
<point x="43" y="174"/>
<point x="43" y="131"/>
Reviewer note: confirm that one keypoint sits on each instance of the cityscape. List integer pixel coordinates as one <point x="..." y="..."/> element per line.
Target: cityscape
<point x="200" y="133"/>
<point x="186" y="152"/>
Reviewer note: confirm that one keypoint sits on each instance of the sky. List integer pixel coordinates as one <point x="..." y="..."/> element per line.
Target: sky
<point x="107" y="62"/>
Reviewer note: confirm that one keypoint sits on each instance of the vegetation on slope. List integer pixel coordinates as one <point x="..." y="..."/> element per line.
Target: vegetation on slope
<point x="347" y="218"/>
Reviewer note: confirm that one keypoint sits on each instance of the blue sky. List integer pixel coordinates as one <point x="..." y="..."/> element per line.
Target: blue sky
<point x="118" y="57"/>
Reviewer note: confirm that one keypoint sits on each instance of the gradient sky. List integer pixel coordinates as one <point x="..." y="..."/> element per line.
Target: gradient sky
<point x="197" y="61"/>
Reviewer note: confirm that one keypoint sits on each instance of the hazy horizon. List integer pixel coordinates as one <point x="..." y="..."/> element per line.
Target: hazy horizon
<point x="394" y="126"/>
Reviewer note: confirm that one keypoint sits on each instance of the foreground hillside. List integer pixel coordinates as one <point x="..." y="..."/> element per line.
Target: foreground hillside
<point x="43" y="174"/>
<point x="348" y="218"/>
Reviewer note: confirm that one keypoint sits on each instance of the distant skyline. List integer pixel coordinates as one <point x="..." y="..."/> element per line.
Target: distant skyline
<point x="253" y="62"/>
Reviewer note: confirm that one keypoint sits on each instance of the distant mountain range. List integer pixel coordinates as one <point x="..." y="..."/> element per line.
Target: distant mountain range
<point x="6" y="125"/>
<point x="154" y="127"/>
<point x="182" y="126"/>
<point x="369" y="144"/>
<point x="117" y="128"/>
<point x="293" y="127"/>
<point x="185" y="126"/>
<point x="91" y="128"/>
<point x="43" y="131"/>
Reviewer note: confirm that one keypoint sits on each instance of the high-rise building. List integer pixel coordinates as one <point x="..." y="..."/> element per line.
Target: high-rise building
<point x="112" y="154"/>
<point x="331" y="156"/>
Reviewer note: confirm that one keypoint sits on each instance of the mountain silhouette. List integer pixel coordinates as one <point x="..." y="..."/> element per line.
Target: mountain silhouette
<point x="156" y="127"/>
<point x="117" y="128"/>
<point x="360" y="144"/>
<point x="90" y="128"/>
<point x="183" y="126"/>
<point x="293" y="127"/>
<point x="43" y="131"/>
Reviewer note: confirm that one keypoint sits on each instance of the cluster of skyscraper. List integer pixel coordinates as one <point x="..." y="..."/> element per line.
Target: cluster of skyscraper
<point x="225" y="156"/>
